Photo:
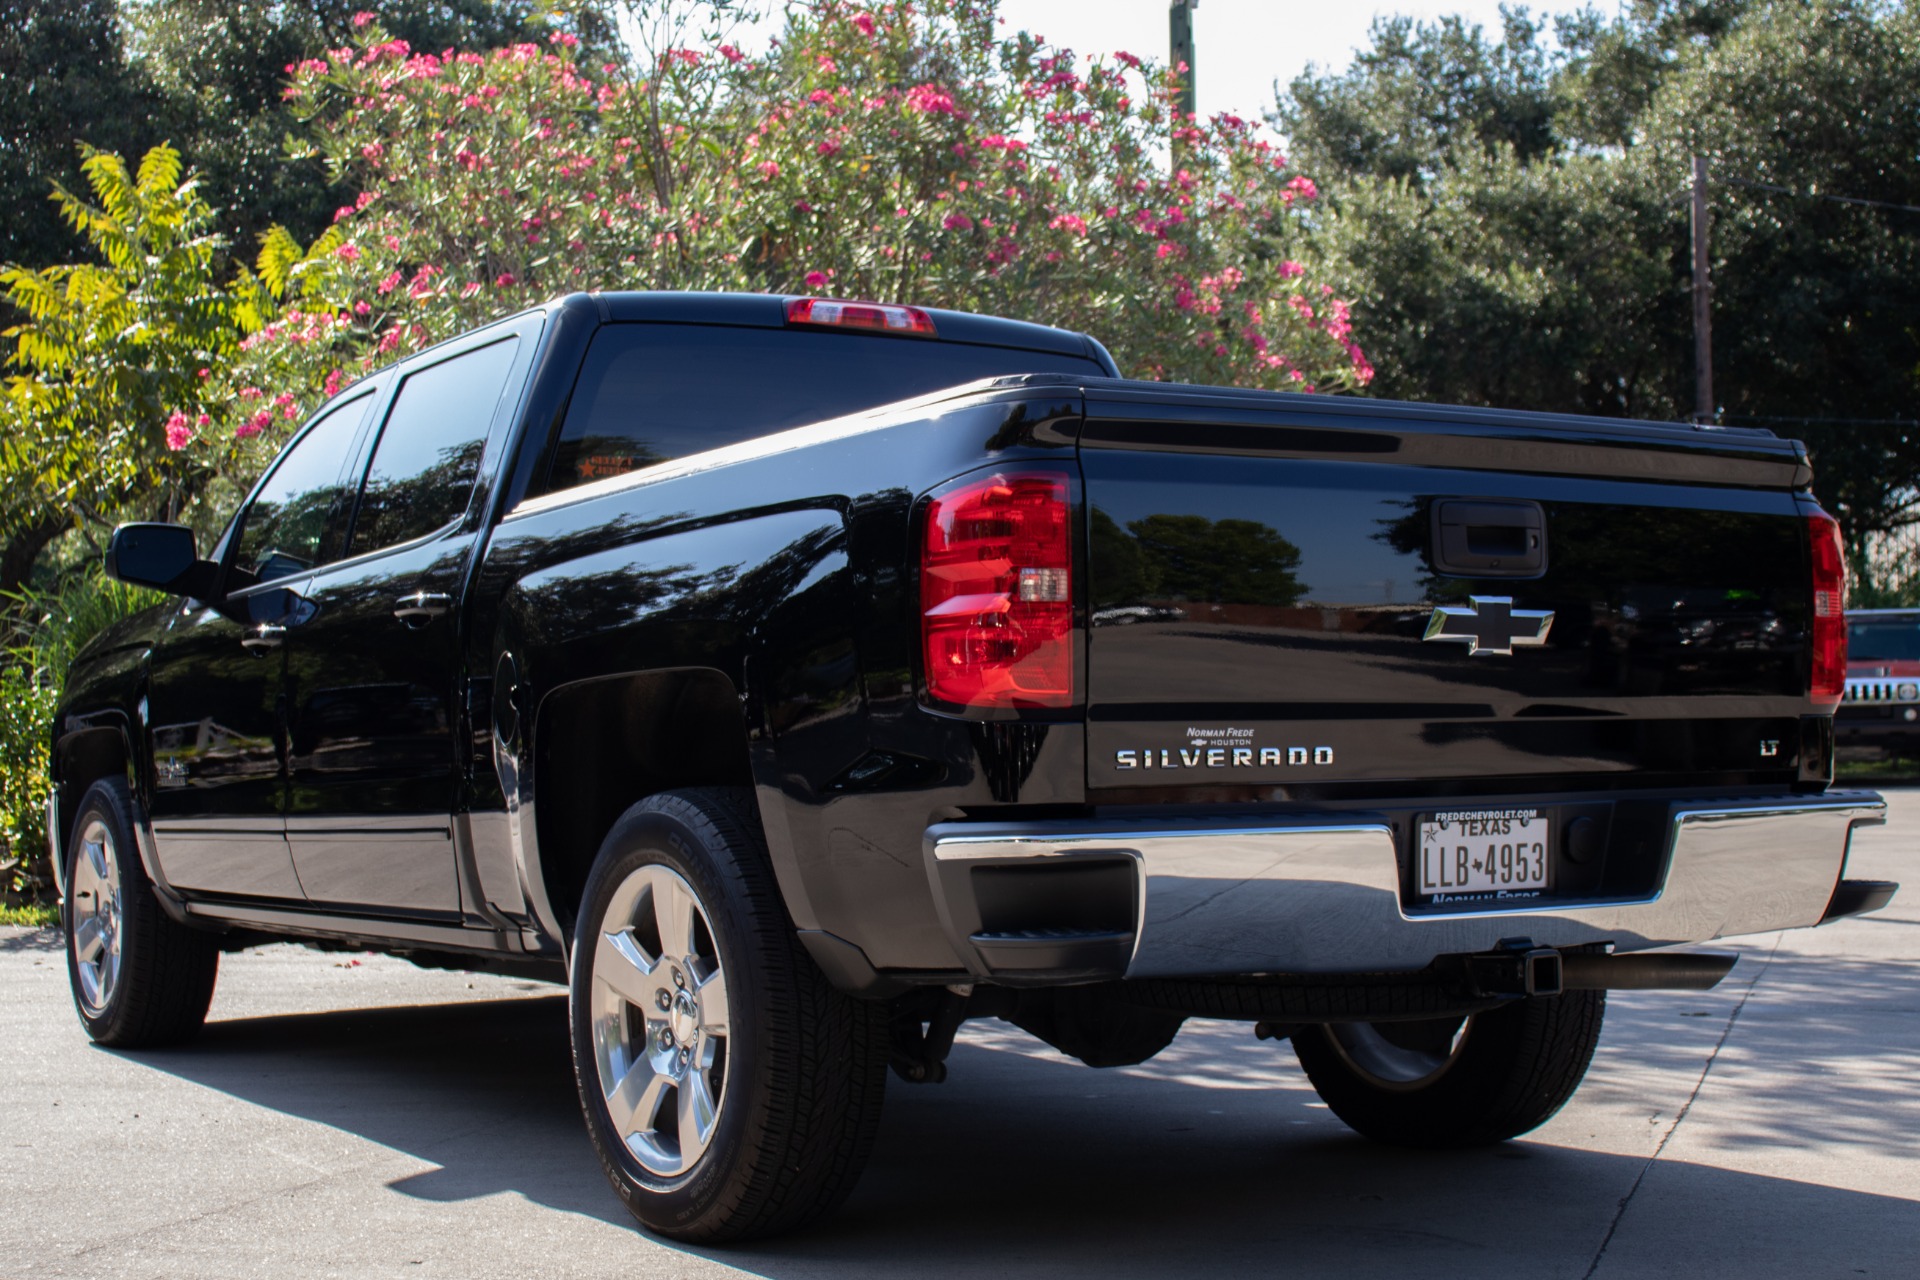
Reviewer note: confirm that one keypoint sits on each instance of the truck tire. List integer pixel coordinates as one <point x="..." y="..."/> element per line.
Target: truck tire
<point x="1454" y="1082"/>
<point x="140" y="979"/>
<point x="730" y="1091"/>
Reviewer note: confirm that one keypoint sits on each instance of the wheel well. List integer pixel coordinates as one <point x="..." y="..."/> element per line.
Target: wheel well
<point x="603" y="745"/>
<point x="82" y="759"/>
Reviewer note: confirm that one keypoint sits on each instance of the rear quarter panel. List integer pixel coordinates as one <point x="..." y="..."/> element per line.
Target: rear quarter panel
<point x="787" y="568"/>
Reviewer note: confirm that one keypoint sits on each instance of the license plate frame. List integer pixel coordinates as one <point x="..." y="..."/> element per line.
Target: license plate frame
<point x="1458" y="855"/>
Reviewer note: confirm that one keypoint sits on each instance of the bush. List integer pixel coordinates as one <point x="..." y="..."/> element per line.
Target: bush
<point x="44" y="634"/>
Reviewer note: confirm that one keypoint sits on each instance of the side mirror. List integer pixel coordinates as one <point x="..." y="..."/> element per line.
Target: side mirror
<point x="160" y="556"/>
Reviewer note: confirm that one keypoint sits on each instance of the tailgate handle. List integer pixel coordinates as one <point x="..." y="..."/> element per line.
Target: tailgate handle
<point x="1489" y="538"/>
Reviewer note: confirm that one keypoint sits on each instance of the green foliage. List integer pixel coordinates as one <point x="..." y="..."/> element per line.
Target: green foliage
<point x="45" y="631"/>
<point x="26" y="719"/>
<point x="222" y="69"/>
<point x="64" y="79"/>
<point x="109" y="349"/>
<point x="1509" y="212"/>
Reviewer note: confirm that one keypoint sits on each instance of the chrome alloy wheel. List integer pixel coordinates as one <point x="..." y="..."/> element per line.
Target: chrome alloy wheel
<point x="659" y="1009"/>
<point x="94" y="915"/>
<point x="1401" y="1055"/>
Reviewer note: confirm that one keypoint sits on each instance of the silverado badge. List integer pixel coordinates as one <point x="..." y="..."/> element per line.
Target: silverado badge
<point x="1489" y="624"/>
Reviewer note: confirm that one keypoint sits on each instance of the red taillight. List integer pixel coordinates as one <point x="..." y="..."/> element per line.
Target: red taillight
<point x="996" y="593"/>
<point x="881" y="317"/>
<point x="1829" y="611"/>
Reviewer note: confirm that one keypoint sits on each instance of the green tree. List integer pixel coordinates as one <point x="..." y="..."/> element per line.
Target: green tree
<point x="1509" y="213"/>
<point x="222" y="68"/>
<point x="64" y="79"/>
<point x="110" y="360"/>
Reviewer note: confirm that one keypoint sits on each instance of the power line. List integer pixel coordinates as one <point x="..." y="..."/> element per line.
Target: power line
<point x="1818" y="195"/>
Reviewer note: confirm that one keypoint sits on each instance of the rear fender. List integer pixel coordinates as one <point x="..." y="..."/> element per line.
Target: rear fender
<point x="671" y="662"/>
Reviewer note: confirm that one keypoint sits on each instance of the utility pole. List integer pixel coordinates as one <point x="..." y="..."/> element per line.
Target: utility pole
<point x="1180" y="40"/>
<point x="1703" y="407"/>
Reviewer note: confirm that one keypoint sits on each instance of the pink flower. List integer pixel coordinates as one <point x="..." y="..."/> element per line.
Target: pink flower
<point x="863" y="23"/>
<point x="362" y="18"/>
<point x="178" y="432"/>
<point x="333" y="384"/>
<point x="391" y="283"/>
<point x="769" y="169"/>
<point x="361" y="308"/>
<point x="930" y="99"/>
<point x="957" y="222"/>
<point x="817" y="279"/>
<point x="819" y="96"/>
<point x="732" y="54"/>
<point x="827" y="66"/>
<point x="1301" y="188"/>
<point x="1122" y="56"/>
<point x="565" y="40"/>
<point x="505" y="280"/>
<point x="373" y="151"/>
<point x="1165" y="251"/>
<point x="828" y="147"/>
<point x="253" y="426"/>
<point x="1071" y="222"/>
<point x="348" y="252"/>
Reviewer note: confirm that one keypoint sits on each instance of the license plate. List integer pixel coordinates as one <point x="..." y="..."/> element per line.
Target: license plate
<point x="1484" y="851"/>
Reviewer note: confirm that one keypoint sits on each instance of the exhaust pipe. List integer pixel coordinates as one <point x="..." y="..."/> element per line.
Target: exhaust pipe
<point x="1691" y="971"/>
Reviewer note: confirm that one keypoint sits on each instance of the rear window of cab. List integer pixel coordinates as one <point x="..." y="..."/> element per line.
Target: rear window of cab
<point x="650" y="393"/>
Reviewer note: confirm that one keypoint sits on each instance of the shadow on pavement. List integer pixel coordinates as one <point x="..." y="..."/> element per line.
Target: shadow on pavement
<point x="1026" y="1164"/>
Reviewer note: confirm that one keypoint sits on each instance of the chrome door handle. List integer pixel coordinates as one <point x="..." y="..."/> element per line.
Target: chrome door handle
<point x="263" y="639"/>
<point x="422" y="607"/>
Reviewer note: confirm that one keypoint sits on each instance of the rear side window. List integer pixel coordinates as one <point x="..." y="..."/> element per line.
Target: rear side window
<point x="652" y="392"/>
<point x="298" y="520"/>
<point x="428" y="457"/>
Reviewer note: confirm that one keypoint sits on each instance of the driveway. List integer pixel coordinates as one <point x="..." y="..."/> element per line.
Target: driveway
<point x="354" y="1116"/>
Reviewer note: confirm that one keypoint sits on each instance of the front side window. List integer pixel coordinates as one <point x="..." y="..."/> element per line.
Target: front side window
<point x="428" y="457"/>
<point x="297" y="522"/>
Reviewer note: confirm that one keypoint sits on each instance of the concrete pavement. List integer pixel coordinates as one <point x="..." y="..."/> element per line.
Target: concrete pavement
<point x="354" y="1116"/>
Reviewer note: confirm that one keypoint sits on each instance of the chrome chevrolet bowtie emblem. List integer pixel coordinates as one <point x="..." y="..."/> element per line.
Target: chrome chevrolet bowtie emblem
<point x="1489" y="624"/>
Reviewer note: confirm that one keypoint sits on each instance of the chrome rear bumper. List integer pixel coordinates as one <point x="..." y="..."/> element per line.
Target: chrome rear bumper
<point x="1324" y="897"/>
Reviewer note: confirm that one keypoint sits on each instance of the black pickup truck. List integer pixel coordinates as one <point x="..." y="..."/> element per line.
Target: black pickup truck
<point x="797" y="679"/>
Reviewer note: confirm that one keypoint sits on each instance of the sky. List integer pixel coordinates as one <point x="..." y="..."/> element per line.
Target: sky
<point x="1243" y="46"/>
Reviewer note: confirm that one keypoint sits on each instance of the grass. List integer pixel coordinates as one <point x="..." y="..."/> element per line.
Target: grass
<point x="34" y="915"/>
<point x="1889" y="772"/>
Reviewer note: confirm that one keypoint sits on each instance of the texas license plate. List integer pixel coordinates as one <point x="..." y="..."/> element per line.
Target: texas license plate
<point x="1484" y="851"/>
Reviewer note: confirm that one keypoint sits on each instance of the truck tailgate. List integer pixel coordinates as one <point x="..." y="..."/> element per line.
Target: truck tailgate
<point x="1289" y="600"/>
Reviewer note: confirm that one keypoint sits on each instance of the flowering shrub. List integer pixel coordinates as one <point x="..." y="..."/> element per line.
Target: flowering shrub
<point x="897" y="151"/>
